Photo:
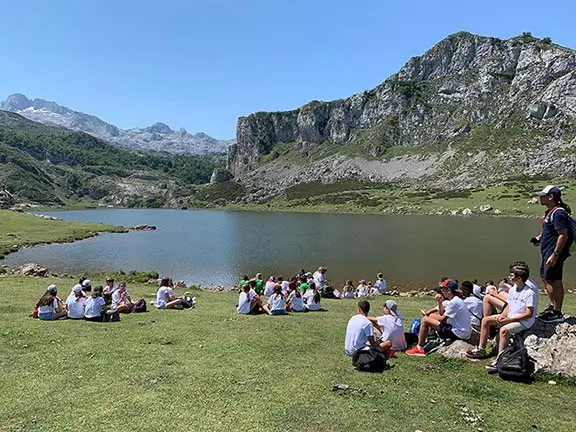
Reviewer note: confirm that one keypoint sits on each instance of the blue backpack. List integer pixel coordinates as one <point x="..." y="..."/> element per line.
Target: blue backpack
<point x="415" y="326"/>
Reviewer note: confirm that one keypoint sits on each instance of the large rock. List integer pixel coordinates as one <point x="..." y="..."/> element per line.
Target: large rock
<point x="456" y="350"/>
<point x="555" y="354"/>
<point x="31" y="269"/>
<point x="220" y="175"/>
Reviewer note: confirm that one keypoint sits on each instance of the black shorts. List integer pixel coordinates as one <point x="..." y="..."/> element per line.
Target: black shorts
<point x="552" y="273"/>
<point x="445" y="332"/>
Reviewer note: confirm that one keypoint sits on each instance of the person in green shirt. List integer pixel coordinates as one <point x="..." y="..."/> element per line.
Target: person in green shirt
<point x="243" y="281"/>
<point x="259" y="288"/>
<point x="303" y="284"/>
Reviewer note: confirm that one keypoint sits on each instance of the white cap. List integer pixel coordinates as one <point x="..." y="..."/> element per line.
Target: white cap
<point x="554" y="190"/>
<point x="77" y="288"/>
<point x="86" y="283"/>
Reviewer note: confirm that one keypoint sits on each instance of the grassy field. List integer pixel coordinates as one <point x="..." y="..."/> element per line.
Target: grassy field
<point x="210" y="369"/>
<point x="19" y="229"/>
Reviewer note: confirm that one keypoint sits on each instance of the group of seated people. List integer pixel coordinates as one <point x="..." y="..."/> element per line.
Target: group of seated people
<point x="460" y="311"/>
<point x="86" y="303"/>
<point x="365" y="289"/>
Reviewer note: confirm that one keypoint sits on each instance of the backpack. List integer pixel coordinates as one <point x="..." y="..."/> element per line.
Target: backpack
<point x="572" y="227"/>
<point x="139" y="306"/>
<point x="328" y="292"/>
<point x="415" y="325"/>
<point x="516" y="365"/>
<point x="371" y="360"/>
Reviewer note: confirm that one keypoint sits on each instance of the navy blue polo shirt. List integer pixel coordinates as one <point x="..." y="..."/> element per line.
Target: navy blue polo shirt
<point x="555" y="220"/>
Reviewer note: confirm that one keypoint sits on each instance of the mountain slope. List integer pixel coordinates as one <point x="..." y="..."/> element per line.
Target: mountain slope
<point x="52" y="165"/>
<point x="158" y="137"/>
<point x="449" y="119"/>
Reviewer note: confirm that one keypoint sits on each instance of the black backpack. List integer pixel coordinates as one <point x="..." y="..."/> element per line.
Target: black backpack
<point x="140" y="306"/>
<point x="516" y="365"/>
<point x="371" y="360"/>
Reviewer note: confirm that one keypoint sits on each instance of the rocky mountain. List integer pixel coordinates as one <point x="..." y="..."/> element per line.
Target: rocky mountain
<point x="51" y="165"/>
<point x="472" y="111"/>
<point x="158" y="137"/>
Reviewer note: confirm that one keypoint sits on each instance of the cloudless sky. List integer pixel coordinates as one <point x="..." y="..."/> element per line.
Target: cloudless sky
<point x="200" y="64"/>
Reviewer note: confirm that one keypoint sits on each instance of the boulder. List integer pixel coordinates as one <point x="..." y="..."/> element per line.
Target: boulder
<point x="485" y="207"/>
<point x="466" y="212"/>
<point x="456" y="350"/>
<point x="31" y="269"/>
<point x="555" y="354"/>
<point x="220" y="175"/>
<point x="143" y="228"/>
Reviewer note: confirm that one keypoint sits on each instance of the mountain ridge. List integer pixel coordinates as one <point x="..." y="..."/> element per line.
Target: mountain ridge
<point x="158" y="136"/>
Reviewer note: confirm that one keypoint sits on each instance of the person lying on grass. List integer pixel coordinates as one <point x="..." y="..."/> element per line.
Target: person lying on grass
<point x="76" y="302"/>
<point x="312" y="298"/>
<point x="95" y="306"/>
<point x="295" y="300"/>
<point x="451" y="321"/>
<point x="389" y="329"/>
<point x="248" y="301"/>
<point x="121" y="299"/>
<point x="518" y="315"/>
<point x="50" y="306"/>
<point x="276" y="302"/>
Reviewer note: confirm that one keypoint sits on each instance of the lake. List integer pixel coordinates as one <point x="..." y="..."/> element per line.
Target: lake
<point x="210" y="247"/>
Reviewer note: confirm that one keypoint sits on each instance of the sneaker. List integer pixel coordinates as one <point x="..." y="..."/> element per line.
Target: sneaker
<point x="547" y="310"/>
<point x="551" y="317"/>
<point x="492" y="367"/>
<point x="477" y="353"/>
<point x="390" y="353"/>
<point x="415" y="351"/>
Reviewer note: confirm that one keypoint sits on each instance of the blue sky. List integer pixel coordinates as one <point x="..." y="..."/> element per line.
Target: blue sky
<point x="200" y="64"/>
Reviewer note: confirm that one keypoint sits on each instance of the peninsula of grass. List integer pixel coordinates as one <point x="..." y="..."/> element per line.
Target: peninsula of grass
<point x="210" y="369"/>
<point x="20" y="229"/>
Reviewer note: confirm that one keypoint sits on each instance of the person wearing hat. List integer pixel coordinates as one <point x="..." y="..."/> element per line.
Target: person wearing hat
<point x="86" y="285"/>
<point x="50" y="307"/>
<point x="554" y="240"/>
<point x="389" y="329"/>
<point x="518" y="315"/>
<point x="451" y="320"/>
<point x="76" y="302"/>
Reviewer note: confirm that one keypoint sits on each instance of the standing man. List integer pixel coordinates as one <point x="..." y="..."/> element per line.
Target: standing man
<point x="554" y="240"/>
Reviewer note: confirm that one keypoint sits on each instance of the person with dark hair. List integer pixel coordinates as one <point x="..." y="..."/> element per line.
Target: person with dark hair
<point x="518" y="315"/>
<point x="554" y="240"/>
<point x="95" y="306"/>
<point x="122" y="300"/>
<point x="450" y="321"/>
<point x="312" y="298"/>
<point x="76" y="302"/>
<point x="295" y="300"/>
<point x="360" y="331"/>
<point x="248" y="301"/>
<point x="50" y="307"/>
<point x="165" y="298"/>
<point x="473" y="303"/>
<point x="348" y="290"/>
<point x="259" y="284"/>
<point x="276" y="302"/>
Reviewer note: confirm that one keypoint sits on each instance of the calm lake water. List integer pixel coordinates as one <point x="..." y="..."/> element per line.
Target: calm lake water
<point x="217" y="247"/>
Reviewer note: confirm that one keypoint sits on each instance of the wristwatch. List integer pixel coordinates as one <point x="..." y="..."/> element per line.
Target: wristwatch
<point x="556" y="253"/>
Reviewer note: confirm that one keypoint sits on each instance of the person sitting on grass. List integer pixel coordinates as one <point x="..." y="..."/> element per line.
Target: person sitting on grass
<point x="451" y="321"/>
<point x="259" y="284"/>
<point x="121" y="299"/>
<point x="95" y="306"/>
<point x="381" y="284"/>
<point x="348" y="290"/>
<point x="283" y="283"/>
<point x="295" y="300"/>
<point x="518" y="315"/>
<point x="86" y="285"/>
<point x="473" y="303"/>
<point x="248" y="301"/>
<point x="165" y="298"/>
<point x="389" y="329"/>
<point x="269" y="286"/>
<point x="303" y="284"/>
<point x="50" y="307"/>
<point x="362" y="289"/>
<point x="245" y="279"/>
<point x="360" y="333"/>
<point x="76" y="303"/>
<point x="312" y="298"/>
<point x="110" y="287"/>
<point x="276" y="302"/>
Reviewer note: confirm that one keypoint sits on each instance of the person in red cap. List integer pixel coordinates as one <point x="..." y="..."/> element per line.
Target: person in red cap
<point x="451" y="320"/>
<point x="554" y="240"/>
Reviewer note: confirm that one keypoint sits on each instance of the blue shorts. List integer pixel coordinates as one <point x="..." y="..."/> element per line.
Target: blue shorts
<point x="47" y="316"/>
<point x="278" y="312"/>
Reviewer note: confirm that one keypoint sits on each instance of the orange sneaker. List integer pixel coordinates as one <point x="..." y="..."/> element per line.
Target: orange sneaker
<point x="390" y="353"/>
<point x="415" y="351"/>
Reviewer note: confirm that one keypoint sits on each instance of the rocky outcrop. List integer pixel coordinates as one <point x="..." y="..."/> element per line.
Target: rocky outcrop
<point x="554" y="348"/>
<point x="458" y="107"/>
<point x="220" y="176"/>
<point x="31" y="269"/>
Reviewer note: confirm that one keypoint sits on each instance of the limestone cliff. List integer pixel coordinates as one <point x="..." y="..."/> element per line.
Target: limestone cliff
<point x="469" y="98"/>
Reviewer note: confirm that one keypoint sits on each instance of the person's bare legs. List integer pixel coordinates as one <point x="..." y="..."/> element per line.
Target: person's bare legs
<point x="487" y="323"/>
<point x="555" y="290"/>
<point x="385" y="345"/>
<point x="174" y="304"/>
<point x="504" y="338"/>
<point x="488" y="302"/>
<point x="266" y="308"/>
<point x="428" y="323"/>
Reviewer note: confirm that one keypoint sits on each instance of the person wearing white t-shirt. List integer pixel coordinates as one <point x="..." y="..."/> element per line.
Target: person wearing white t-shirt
<point x="50" y="307"/>
<point x="248" y="301"/>
<point x="473" y="303"/>
<point x="389" y="329"/>
<point x="165" y="298"/>
<point x="283" y="283"/>
<point x="381" y="284"/>
<point x="519" y="314"/>
<point x="121" y="299"/>
<point x="360" y="333"/>
<point x="312" y="298"/>
<point x="75" y="304"/>
<point x="362" y="289"/>
<point x="295" y="300"/>
<point x="319" y="277"/>
<point x="269" y="286"/>
<point x="276" y="302"/>
<point x="451" y="321"/>
<point x="94" y="307"/>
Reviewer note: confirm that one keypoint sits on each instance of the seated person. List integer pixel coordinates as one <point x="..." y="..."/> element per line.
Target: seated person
<point x="360" y="333"/>
<point x="259" y="284"/>
<point x="95" y="306"/>
<point x="276" y="302"/>
<point x="269" y="286"/>
<point x="50" y="306"/>
<point x="451" y="321"/>
<point x="362" y="289"/>
<point x="518" y="315"/>
<point x="165" y="298"/>
<point x="75" y="304"/>
<point x="348" y="290"/>
<point x="295" y="300"/>
<point x="319" y="277"/>
<point x="389" y="329"/>
<point x="381" y="284"/>
<point x="248" y="301"/>
<point x="86" y="285"/>
<point x="312" y="298"/>
<point x="110" y="287"/>
<point x="303" y="284"/>
<point x="121" y="299"/>
<point x="473" y="303"/>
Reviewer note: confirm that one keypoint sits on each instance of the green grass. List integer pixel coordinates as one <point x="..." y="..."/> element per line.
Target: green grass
<point x="212" y="370"/>
<point x="19" y="229"/>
